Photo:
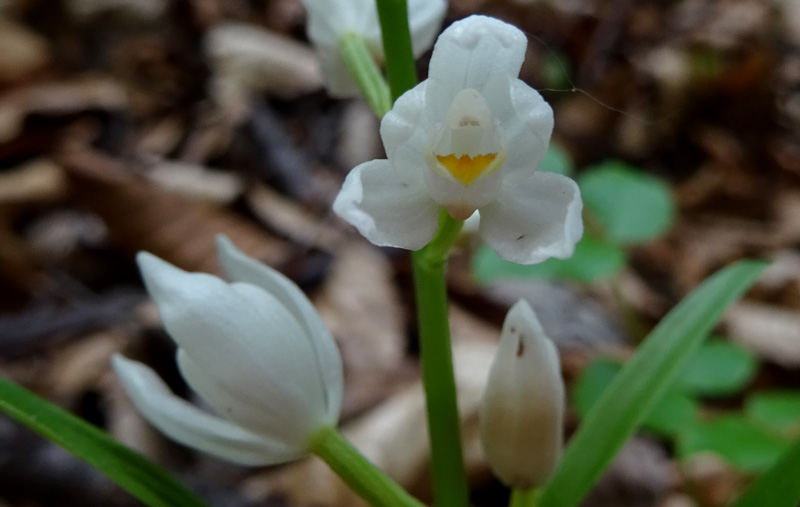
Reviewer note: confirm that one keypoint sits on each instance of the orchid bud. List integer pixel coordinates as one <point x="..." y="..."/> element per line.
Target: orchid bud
<point x="329" y="20"/>
<point x="522" y="411"/>
<point x="254" y="349"/>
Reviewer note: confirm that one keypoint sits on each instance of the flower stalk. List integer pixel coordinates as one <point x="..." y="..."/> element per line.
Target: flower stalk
<point x="525" y="498"/>
<point x="400" y="70"/>
<point x="353" y="468"/>
<point x="449" y="480"/>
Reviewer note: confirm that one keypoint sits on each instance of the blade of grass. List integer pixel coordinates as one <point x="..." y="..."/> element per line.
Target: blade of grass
<point x="643" y="381"/>
<point x="777" y="487"/>
<point x="143" y="479"/>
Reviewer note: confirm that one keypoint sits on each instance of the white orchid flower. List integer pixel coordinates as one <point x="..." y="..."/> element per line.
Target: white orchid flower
<point x="329" y="20"/>
<point x="254" y="349"/>
<point x="468" y="138"/>
<point x="522" y="411"/>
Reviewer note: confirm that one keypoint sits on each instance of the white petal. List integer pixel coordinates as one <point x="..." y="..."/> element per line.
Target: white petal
<point x="239" y="267"/>
<point x="521" y="414"/>
<point x="264" y="412"/>
<point x="406" y="133"/>
<point x="534" y="220"/>
<point x="468" y="54"/>
<point x="385" y="210"/>
<point x="190" y="426"/>
<point x="526" y="121"/>
<point x="424" y="20"/>
<point x="239" y="333"/>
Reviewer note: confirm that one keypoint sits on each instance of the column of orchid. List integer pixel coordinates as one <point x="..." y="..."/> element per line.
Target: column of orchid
<point x="465" y="141"/>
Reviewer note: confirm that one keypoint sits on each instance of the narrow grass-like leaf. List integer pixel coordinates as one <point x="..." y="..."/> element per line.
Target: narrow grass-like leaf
<point x="143" y="479"/>
<point x="643" y="381"/>
<point x="777" y="487"/>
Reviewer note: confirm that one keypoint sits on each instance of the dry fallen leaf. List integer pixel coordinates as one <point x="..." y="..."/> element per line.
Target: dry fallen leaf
<point x="770" y="332"/>
<point x="40" y="179"/>
<point x="140" y="216"/>
<point x="22" y="51"/>
<point x="57" y="98"/>
<point x="256" y="60"/>
<point x="360" y="305"/>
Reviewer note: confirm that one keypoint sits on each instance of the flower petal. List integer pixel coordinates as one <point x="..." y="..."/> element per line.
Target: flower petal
<point x="241" y="268"/>
<point x="192" y="427"/>
<point x="264" y="412"/>
<point x="468" y="54"/>
<point x="405" y="135"/>
<point x="527" y="123"/>
<point x="534" y="220"/>
<point x="385" y="210"/>
<point x="240" y="334"/>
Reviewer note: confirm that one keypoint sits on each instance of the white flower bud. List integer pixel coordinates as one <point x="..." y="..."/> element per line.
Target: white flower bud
<point x="521" y="415"/>
<point x="255" y="350"/>
<point x="329" y="20"/>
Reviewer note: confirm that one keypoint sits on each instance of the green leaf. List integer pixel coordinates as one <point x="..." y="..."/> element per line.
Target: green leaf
<point x="631" y="206"/>
<point x="778" y="486"/>
<point x="592" y="261"/>
<point x="673" y="412"/>
<point x="778" y="410"/>
<point x="143" y="479"/>
<point x="744" y="444"/>
<point x="557" y="160"/>
<point x="718" y="368"/>
<point x="643" y="381"/>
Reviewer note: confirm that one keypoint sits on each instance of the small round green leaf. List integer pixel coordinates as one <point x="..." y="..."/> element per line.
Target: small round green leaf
<point x="744" y="444"/>
<point x="778" y="410"/>
<point x="632" y="207"/>
<point x="718" y="368"/>
<point x="592" y="261"/>
<point x="674" y="412"/>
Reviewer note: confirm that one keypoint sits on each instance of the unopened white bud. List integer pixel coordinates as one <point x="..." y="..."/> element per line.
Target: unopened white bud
<point x="521" y="415"/>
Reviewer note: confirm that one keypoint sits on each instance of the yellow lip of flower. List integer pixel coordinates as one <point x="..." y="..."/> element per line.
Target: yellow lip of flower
<point x="467" y="169"/>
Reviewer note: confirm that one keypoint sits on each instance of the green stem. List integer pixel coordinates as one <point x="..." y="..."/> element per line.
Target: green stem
<point x="449" y="481"/>
<point x="525" y="498"/>
<point x="359" y="61"/>
<point x="400" y="69"/>
<point x="364" y="478"/>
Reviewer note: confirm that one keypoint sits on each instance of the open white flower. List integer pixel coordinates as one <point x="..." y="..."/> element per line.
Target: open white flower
<point x="468" y="138"/>
<point x="522" y="411"/>
<point x="329" y="20"/>
<point x="255" y="350"/>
